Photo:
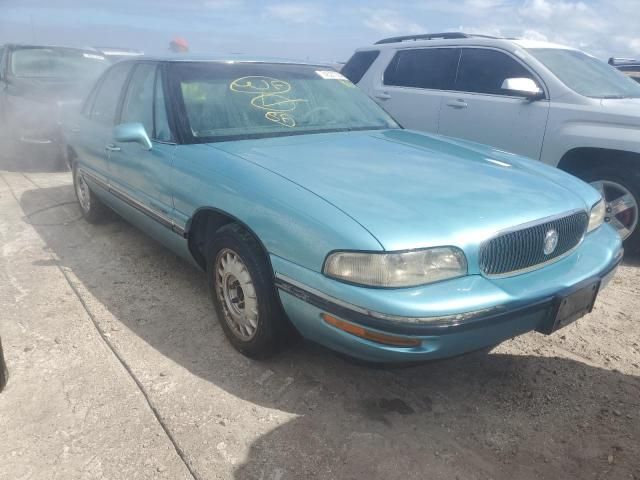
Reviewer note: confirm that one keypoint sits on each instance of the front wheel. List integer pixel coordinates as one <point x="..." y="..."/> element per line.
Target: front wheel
<point x="622" y="196"/>
<point x="245" y="299"/>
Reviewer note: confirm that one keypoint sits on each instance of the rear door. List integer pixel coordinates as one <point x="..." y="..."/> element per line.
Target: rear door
<point x="92" y="132"/>
<point x="480" y="110"/>
<point x="144" y="174"/>
<point x="411" y="88"/>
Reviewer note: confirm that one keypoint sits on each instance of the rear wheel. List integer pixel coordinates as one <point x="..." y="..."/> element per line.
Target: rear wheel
<point x="93" y="210"/>
<point x="241" y="286"/>
<point x="622" y="196"/>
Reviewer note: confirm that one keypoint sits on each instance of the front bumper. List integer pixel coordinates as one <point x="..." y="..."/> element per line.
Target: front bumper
<point x="527" y="303"/>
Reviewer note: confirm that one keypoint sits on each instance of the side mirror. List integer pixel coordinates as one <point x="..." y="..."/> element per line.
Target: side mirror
<point x="132" y="132"/>
<point x="524" y="87"/>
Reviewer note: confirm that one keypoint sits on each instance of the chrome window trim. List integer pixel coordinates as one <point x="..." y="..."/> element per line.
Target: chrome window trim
<point x="509" y="53"/>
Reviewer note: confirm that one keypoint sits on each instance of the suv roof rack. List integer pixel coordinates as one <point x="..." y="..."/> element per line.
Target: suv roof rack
<point x="431" y="36"/>
<point x="623" y="61"/>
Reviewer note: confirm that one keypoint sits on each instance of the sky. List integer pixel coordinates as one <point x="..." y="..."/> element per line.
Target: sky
<point x="320" y="31"/>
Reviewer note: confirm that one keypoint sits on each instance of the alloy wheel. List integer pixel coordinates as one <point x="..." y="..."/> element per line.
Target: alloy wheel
<point x="621" y="206"/>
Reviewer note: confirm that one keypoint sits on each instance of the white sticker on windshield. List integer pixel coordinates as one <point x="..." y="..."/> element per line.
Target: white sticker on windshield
<point x="91" y="55"/>
<point x="330" y="75"/>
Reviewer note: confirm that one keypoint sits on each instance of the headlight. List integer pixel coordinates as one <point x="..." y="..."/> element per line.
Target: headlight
<point x="596" y="217"/>
<point x="396" y="269"/>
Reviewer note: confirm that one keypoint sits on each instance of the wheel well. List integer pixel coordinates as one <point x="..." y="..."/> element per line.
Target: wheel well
<point x="203" y="226"/>
<point x="581" y="159"/>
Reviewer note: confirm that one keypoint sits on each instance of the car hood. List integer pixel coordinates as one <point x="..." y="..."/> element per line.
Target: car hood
<point x="412" y="190"/>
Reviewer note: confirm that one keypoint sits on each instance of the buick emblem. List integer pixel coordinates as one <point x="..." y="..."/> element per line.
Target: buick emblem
<point x="550" y="242"/>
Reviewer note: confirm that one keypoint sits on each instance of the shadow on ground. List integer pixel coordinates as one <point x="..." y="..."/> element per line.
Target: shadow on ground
<point x="32" y="158"/>
<point x="480" y="416"/>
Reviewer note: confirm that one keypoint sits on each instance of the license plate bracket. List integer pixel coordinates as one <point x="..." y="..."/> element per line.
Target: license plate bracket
<point x="571" y="307"/>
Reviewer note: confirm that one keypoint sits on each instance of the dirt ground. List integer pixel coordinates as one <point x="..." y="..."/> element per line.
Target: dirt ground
<point x="119" y="370"/>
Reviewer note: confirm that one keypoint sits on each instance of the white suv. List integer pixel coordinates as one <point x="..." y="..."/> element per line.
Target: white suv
<point x="537" y="99"/>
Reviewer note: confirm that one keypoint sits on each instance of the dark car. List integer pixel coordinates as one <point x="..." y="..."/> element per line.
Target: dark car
<point x="628" y="66"/>
<point x="37" y="85"/>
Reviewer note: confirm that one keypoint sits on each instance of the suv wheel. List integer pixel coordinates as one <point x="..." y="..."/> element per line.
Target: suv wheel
<point x="622" y="197"/>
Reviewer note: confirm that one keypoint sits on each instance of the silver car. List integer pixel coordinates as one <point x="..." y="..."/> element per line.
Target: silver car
<point x="538" y="99"/>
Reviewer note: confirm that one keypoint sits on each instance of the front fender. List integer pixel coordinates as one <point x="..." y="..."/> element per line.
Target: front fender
<point x="290" y="221"/>
<point x="571" y="127"/>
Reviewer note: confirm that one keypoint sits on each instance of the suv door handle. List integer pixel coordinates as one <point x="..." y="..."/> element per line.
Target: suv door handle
<point x="382" y="96"/>
<point x="457" y="103"/>
<point x="111" y="147"/>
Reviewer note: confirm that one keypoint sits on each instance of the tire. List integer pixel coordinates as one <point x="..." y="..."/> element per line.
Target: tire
<point x="93" y="210"/>
<point x="611" y="178"/>
<point x="237" y="271"/>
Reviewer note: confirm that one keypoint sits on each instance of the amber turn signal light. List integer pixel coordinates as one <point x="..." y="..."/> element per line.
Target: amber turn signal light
<point x="377" y="337"/>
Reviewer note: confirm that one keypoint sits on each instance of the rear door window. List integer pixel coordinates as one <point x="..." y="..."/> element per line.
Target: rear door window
<point x="108" y="94"/>
<point x="483" y="71"/>
<point x="432" y="68"/>
<point x="358" y="65"/>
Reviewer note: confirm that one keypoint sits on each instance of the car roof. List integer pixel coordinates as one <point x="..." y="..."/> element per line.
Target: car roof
<point x="235" y="58"/>
<point x="459" y="39"/>
<point x="35" y="45"/>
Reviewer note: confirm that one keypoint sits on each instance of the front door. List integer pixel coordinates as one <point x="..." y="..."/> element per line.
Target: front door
<point x="144" y="174"/>
<point x="481" y="111"/>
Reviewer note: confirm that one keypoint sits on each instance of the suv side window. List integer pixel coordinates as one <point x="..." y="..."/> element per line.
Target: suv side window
<point x="108" y="94"/>
<point x="138" y="103"/>
<point x="432" y="68"/>
<point x="483" y="71"/>
<point x="358" y="65"/>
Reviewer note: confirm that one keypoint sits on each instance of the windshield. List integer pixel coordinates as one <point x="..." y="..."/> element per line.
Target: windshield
<point x="59" y="63"/>
<point x="225" y="101"/>
<point x="586" y="75"/>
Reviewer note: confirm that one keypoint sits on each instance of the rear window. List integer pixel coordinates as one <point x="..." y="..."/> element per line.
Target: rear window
<point x="358" y="65"/>
<point x="432" y="68"/>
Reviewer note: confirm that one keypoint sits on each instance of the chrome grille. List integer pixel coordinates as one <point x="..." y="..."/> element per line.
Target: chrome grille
<point x="523" y="249"/>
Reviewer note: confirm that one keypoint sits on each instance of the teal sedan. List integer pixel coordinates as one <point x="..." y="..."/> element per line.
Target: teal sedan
<point x="313" y="211"/>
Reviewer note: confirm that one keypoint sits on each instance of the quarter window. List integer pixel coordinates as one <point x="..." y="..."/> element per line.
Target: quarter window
<point x="108" y="94"/>
<point x="138" y="104"/>
<point x="484" y="71"/>
<point x="358" y="65"/>
<point x="432" y="68"/>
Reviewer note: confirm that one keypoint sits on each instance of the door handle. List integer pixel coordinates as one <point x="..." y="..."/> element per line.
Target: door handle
<point x="110" y="147"/>
<point x="74" y="129"/>
<point x="458" y="103"/>
<point x="382" y="96"/>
